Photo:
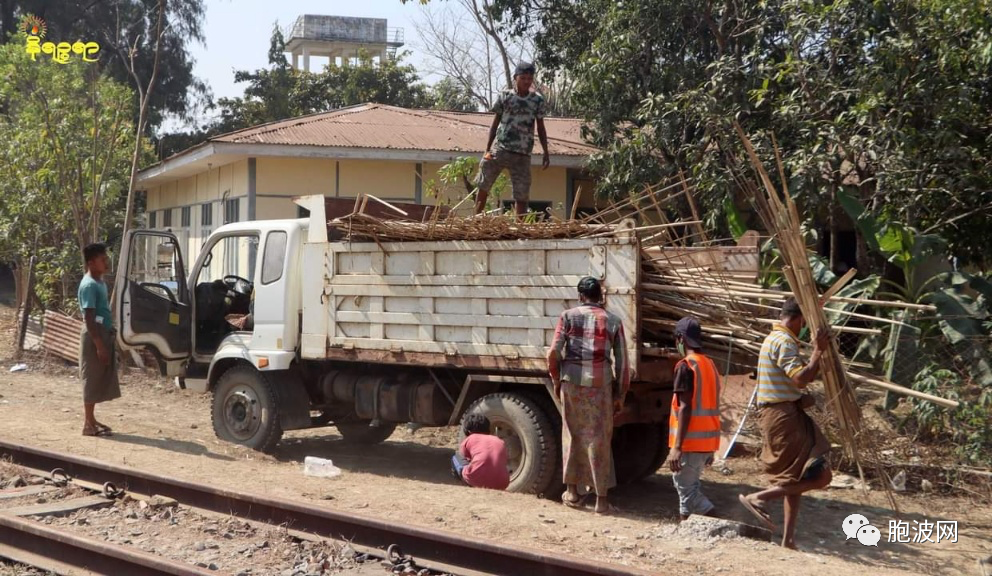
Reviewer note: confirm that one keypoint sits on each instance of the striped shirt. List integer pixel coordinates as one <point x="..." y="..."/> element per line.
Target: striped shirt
<point x="591" y="344"/>
<point x="778" y="364"/>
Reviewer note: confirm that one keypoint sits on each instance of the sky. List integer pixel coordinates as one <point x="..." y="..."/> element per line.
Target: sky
<point x="238" y="32"/>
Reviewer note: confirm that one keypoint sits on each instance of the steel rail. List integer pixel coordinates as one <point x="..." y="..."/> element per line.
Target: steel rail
<point x="33" y="543"/>
<point x="428" y="545"/>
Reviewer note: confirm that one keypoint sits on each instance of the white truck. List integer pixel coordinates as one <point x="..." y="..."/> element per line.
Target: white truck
<point x="290" y="330"/>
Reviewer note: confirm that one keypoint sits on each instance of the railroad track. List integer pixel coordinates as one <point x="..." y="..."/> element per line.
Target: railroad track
<point x="29" y="542"/>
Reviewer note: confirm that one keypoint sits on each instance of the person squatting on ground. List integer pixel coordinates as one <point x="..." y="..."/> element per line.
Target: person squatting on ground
<point x="516" y="112"/>
<point x="694" y="421"/>
<point x="480" y="461"/>
<point x="794" y="451"/>
<point x="97" y="360"/>
<point x="588" y="365"/>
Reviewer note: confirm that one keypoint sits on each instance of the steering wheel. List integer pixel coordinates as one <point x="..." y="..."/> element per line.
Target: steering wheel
<point x="156" y="286"/>
<point x="238" y="284"/>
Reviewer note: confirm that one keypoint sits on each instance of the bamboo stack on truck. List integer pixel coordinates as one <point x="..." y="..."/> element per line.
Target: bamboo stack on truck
<point x="387" y="313"/>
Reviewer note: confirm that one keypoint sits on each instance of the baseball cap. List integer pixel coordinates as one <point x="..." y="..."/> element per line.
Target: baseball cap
<point x="691" y="332"/>
<point x="524" y="68"/>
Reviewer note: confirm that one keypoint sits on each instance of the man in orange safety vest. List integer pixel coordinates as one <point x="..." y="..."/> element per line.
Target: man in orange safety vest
<point x="694" y="421"/>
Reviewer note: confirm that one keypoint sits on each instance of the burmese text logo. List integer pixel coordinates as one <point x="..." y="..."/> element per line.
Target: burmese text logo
<point x="61" y="52"/>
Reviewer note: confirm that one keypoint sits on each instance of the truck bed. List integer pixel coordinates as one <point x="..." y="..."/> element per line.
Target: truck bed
<point x="483" y="305"/>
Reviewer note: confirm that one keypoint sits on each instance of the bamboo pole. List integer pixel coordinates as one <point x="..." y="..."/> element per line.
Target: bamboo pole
<point x="904" y="390"/>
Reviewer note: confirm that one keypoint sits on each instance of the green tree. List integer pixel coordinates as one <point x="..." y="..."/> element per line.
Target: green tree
<point x="890" y="100"/>
<point x="124" y="28"/>
<point x="66" y="137"/>
<point x="446" y="94"/>
<point x="279" y="92"/>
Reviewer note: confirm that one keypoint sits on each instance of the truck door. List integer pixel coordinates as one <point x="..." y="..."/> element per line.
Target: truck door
<point x="152" y="299"/>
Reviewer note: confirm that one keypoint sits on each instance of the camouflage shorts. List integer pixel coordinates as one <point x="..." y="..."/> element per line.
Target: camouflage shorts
<point x="517" y="164"/>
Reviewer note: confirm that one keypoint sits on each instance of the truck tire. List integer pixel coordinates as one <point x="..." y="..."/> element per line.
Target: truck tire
<point x="639" y="450"/>
<point x="245" y="410"/>
<point x="359" y="432"/>
<point x="530" y="437"/>
<point x="556" y="486"/>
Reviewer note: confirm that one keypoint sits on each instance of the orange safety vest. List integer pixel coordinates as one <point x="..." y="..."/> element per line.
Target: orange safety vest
<point x="703" y="434"/>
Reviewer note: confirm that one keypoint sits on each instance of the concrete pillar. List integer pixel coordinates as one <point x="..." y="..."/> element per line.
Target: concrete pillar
<point x="306" y="58"/>
<point x="296" y="60"/>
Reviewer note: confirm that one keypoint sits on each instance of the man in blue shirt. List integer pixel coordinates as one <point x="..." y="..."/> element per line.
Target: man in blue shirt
<point x="97" y="361"/>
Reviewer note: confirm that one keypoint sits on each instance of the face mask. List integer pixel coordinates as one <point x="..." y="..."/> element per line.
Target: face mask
<point x="681" y="348"/>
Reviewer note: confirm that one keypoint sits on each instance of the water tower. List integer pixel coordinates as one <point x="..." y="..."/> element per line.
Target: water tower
<point x="340" y="39"/>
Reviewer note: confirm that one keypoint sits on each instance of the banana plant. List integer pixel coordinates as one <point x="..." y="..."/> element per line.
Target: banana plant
<point x="962" y="300"/>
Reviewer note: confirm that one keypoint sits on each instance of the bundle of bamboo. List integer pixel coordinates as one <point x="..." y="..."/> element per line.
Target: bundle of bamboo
<point x="682" y="274"/>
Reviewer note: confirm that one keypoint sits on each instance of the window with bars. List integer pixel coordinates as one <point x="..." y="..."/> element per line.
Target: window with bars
<point x="153" y="219"/>
<point x="206" y="214"/>
<point x="184" y="217"/>
<point x="232" y="209"/>
<point x="167" y="217"/>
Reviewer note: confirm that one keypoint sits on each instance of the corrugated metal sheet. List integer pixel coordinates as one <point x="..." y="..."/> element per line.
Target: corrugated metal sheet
<point x="390" y="128"/>
<point x="61" y="335"/>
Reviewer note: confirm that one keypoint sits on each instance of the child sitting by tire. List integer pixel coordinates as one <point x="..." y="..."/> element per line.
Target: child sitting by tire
<point x="480" y="461"/>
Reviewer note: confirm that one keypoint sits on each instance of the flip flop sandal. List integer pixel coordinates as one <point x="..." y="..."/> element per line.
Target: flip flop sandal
<point x="757" y="512"/>
<point x="97" y="432"/>
<point x="104" y="428"/>
<point x="578" y="503"/>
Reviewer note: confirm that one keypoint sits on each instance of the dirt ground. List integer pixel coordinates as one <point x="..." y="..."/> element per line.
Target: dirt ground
<point x="165" y="430"/>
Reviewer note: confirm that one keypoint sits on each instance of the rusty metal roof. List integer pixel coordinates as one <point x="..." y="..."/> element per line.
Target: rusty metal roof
<point x="382" y="127"/>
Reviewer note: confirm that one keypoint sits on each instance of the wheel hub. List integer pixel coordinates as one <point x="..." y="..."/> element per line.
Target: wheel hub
<point x="514" y="447"/>
<point x="242" y="412"/>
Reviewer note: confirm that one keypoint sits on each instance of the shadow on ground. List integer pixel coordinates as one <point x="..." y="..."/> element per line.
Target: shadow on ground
<point x="172" y="445"/>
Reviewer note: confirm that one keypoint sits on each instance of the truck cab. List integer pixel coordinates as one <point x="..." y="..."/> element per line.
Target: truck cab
<point x="191" y="322"/>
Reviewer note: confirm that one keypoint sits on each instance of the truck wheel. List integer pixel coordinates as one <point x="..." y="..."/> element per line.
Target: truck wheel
<point x="639" y="450"/>
<point x="529" y="436"/>
<point x="245" y="409"/>
<point x="361" y="433"/>
<point x="555" y="487"/>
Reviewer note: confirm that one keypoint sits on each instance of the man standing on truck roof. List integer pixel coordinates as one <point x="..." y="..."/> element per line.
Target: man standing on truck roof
<point x="694" y="421"/>
<point x="795" y="452"/>
<point x="591" y="375"/>
<point x="516" y="113"/>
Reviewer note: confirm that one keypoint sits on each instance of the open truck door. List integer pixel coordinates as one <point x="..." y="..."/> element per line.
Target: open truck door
<point x="154" y="308"/>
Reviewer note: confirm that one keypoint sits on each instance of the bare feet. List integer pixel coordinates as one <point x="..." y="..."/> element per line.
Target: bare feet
<point x="603" y="506"/>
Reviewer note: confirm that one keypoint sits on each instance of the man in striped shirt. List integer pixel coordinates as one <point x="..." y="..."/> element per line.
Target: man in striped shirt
<point x="795" y="452"/>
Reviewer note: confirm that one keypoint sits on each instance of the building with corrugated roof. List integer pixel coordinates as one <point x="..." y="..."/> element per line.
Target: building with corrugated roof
<point x="390" y="152"/>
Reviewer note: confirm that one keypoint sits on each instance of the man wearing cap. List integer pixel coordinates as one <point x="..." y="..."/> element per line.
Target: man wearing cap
<point x="511" y="139"/>
<point x="794" y="451"/>
<point x="591" y="375"/>
<point x="694" y="421"/>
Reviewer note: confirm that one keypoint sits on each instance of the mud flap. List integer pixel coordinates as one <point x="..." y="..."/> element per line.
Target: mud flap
<point x="294" y="402"/>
